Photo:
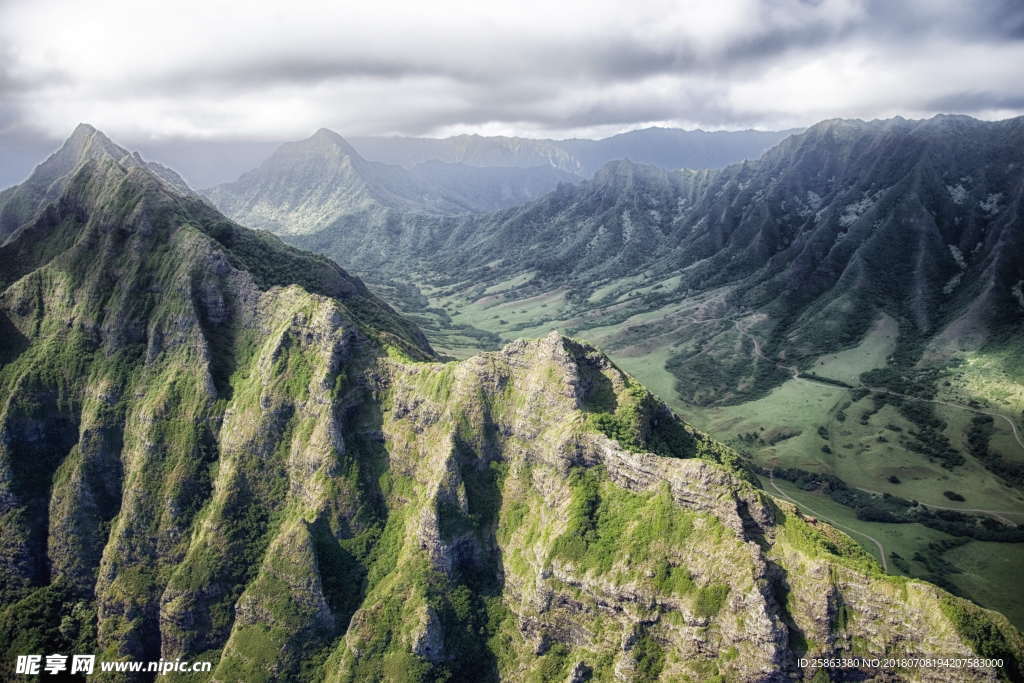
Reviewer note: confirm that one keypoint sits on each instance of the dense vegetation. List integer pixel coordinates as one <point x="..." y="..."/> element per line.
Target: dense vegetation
<point x="978" y="437"/>
<point x="893" y="509"/>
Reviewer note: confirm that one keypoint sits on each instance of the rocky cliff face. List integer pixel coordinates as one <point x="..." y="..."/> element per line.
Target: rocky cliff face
<point x="215" y="447"/>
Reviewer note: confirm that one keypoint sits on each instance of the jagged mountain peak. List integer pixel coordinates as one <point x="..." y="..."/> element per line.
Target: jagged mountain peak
<point x="938" y="125"/>
<point x="322" y="181"/>
<point x="86" y="144"/>
<point x="326" y="136"/>
<point x="84" y="132"/>
<point x="324" y="142"/>
<point x="624" y="173"/>
<point x="844" y="148"/>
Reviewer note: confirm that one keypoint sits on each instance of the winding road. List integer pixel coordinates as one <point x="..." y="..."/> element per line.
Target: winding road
<point x="996" y="514"/>
<point x="1013" y="425"/>
<point x="881" y="548"/>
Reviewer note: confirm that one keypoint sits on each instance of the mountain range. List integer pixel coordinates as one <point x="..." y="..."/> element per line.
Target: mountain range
<point x="668" y="148"/>
<point x="216" y="447"/>
<point x="832" y="227"/>
<point x="205" y="163"/>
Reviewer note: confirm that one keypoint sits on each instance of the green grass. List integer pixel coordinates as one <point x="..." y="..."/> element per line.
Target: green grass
<point x="614" y="287"/>
<point x="512" y="309"/>
<point x="521" y="316"/>
<point x="904" y="539"/>
<point x="510" y="283"/>
<point x="870" y="353"/>
<point x="817" y="539"/>
<point x="986" y="569"/>
<point x="650" y="658"/>
<point x="986" y="636"/>
<point x="993" y="376"/>
<point x="609" y="526"/>
<point x="710" y="599"/>
<point x="870" y="463"/>
<point x="649" y="369"/>
<point x="858" y="457"/>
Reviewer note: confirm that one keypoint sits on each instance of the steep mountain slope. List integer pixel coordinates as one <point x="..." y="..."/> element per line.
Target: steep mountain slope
<point x="491" y="188"/>
<point x="473" y="150"/>
<point x="314" y="184"/>
<point x="920" y="220"/>
<point x="672" y="148"/>
<point x="214" y="447"/>
<point x="663" y="147"/>
<point x="47" y="182"/>
<point x="304" y="186"/>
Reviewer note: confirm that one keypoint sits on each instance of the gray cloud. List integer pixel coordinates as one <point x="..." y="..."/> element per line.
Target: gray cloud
<point x="153" y="74"/>
<point x="993" y="20"/>
<point x="972" y="101"/>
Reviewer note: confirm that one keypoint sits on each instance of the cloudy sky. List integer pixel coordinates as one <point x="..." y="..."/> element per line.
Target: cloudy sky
<point x="167" y="75"/>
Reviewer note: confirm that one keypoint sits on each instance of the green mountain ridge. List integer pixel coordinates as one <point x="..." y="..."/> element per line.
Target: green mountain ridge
<point x="216" y="447"/>
<point x="47" y="182"/>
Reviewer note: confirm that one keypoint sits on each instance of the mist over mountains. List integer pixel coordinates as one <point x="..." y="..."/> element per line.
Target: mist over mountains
<point x="208" y="162"/>
<point x="664" y="147"/>
<point x="306" y="186"/>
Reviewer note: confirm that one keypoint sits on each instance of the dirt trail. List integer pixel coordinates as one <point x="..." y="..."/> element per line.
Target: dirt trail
<point x="1013" y="425"/>
<point x="996" y="514"/>
<point x="881" y="548"/>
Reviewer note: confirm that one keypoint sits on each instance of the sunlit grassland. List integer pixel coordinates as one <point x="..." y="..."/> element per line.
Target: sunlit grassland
<point x="993" y="376"/>
<point x="904" y="539"/>
<point x="872" y="352"/>
<point x="649" y="368"/>
<point x="501" y="315"/>
<point x="985" y="572"/>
